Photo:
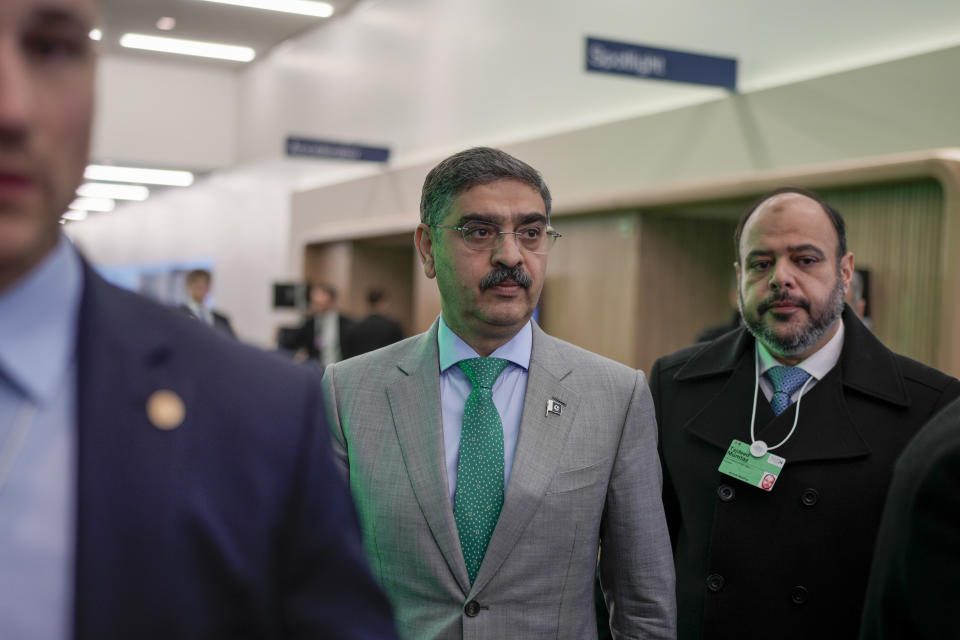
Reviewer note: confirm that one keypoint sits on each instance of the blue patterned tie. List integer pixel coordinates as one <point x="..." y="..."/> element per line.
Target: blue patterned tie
<point x="479" y="495"/>
<point x="785" y="380"/>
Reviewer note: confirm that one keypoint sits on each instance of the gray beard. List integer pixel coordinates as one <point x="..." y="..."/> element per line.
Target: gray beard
<point x="816" y="327"/>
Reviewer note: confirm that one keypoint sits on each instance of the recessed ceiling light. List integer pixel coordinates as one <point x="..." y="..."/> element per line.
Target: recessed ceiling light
<point x="114" y="191"/>
<point x="188" y="47"/>
<point x="96" y="34"/>
<point x="164" y="177"/>
<point x="75" y="216"/>
<point x="301" y="7"/>
<point x="102" y="205"/>
<point x="166" y="23"/>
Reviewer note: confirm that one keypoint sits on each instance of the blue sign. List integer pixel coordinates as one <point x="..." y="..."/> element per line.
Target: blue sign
<point x="305" y="147"/>
<point x="638" y="61"/>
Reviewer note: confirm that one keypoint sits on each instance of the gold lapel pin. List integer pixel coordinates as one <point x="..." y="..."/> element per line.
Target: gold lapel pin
<point x="555" y="407"/>
<point x="165" y="410"/>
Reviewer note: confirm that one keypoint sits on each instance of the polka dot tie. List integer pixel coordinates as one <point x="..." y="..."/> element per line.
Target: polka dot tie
<point x="785" y="381"/>
<point x="479" y="495"/>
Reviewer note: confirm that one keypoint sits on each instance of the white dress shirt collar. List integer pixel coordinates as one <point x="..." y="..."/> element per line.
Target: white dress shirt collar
<point x="817" y="365"/>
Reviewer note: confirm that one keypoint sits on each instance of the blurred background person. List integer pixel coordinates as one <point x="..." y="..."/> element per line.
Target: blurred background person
<point x="378" y="329"/>
<point x="322" y="335"/>
<point x="915" y="577"/>
<point x="857" y="296"/>
<point x="198" y="288"/>
<point x="154" y="483"/>
<point x="733" y="323"/>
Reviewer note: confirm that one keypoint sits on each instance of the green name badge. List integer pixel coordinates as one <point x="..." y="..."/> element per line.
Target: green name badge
<point x="760" y="472"/>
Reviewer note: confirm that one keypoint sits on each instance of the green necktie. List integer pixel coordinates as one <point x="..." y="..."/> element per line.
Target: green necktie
<point x="479" y="494"/>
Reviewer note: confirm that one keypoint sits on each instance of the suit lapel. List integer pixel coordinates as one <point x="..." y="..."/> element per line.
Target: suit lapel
<point x="124" y="463"/>
<point x="415" y="404"/>
<point x="539" y="447"/>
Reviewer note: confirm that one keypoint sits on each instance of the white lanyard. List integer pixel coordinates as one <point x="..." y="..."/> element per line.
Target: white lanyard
<point x="758" y="447"/>
<point x="11" y="447"/>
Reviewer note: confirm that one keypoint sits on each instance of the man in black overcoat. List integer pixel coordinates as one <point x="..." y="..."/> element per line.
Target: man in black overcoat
<point x="789" y="560"/>
<point x="914" y="585"/>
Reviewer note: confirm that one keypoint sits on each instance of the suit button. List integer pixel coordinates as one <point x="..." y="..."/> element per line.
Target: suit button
<point x="799" y="594"/>
<point x="472" y="608"/>
<point x="715" y="582"/>
<point x="809" y="497"/>
<point x="726" y="492"/>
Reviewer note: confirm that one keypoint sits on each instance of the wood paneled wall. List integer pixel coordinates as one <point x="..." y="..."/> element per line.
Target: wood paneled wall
<point x="592" y="290"/>
<point x="896" y="231"/>
<point x="678" y="261"/>
<point x="686" y="272"/>
<point x="636" y="285"/>
<point x="386" y="268"/>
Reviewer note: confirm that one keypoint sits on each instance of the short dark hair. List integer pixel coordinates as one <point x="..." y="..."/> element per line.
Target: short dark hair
<point x="195" y="274"/>
<point x="374" y="296"/>
<point x="468" y="169"/>
<point x="835" y="218"/>
<point x="326" y="287"/>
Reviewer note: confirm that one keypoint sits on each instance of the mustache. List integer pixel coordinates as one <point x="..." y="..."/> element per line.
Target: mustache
<point x="502" y="274"/>
<point x="784" y="296"/>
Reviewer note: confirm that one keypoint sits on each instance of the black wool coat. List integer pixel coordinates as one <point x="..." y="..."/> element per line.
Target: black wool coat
<point x="792" y="563"/>
<point x="914" y="587"/>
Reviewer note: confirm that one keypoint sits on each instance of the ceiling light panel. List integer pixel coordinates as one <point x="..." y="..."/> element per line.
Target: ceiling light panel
<point x="300" y="7"/>
<point x="75" y="216"/>
<point x="102" y="205"/>
<point x="188" y="47"/>
<point x="114" y="191"/>
<point x="139" y="176"/>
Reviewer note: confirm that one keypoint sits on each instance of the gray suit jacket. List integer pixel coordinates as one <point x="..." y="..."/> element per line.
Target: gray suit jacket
<point x="586" y="477"/>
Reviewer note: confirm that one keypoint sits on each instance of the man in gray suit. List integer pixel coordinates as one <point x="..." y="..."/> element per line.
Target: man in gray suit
<point x="489" y="461"/>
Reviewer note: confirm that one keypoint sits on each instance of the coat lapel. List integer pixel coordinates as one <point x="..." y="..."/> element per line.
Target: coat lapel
<point x="826" y="429"/>
<point x="415" y="404"/>
<point x="539" y="447"/>
<point x="124" y="468"/>
<point x="727" y="414"/>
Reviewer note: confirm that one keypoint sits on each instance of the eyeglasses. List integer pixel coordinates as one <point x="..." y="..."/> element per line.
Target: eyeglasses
<point x="486" y="236"/>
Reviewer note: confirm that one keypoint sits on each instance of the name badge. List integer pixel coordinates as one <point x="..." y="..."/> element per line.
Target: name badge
<point x="761" y="471"/>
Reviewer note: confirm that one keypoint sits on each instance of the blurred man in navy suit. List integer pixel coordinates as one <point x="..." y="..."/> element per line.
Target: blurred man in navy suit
<point x="155" y="481"/>
<point x="198" y="288"/>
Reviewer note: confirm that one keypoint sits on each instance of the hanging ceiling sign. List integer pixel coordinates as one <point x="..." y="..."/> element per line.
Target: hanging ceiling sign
<point x="639" y="61"/>
<point x="305" y="147"/>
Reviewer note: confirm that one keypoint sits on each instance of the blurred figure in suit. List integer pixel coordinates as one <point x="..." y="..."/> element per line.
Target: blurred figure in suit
<point x="734" y="323"/>
<point x="377" y="329"/>
<point x="154" y="483"/>
<point x="914" y="583"/>
<point x="198" y="288"/>
<point x="323" y="335"/>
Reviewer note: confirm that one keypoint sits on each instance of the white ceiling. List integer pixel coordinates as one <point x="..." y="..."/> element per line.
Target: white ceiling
<point x="206" y="21"/>
<point x="427" y="76"/>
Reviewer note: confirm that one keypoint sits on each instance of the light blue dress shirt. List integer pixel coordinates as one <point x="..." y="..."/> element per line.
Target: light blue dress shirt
<point x="38" y="328"/>
<point x="508" y="393"/>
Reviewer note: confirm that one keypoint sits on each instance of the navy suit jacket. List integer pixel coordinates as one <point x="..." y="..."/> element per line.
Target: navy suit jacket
<point x="220" y="321"/>
<point x="236" y="524"/>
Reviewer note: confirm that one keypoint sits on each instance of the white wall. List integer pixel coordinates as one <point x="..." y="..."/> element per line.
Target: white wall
<point x="235" y="219"/>
<point x="165" y="114"/>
